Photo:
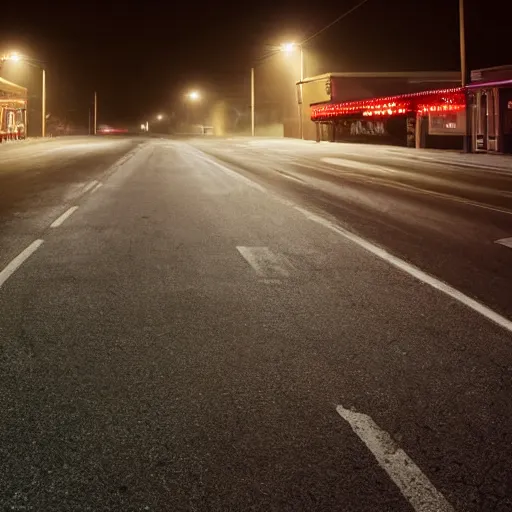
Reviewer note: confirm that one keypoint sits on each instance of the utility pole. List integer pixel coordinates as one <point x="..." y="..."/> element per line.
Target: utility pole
<point x="43" y="105"/>
<point x="95" y="124"/>
<point x="301" y="120"/>
<point x="252" y="103"/>
<point x="464" y="78"/>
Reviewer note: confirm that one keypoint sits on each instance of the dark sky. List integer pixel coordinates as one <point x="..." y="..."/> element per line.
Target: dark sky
<point x="141" y="56"/>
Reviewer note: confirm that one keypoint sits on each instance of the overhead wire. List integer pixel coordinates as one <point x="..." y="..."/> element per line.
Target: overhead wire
<point x="339" y="18"/>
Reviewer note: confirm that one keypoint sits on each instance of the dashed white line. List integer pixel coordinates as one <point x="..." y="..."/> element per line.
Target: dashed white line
<point x="16" y="263"/>
<point x="407" y="476"/>
<point x="507" y="242"/>
<point x="59" y="221"/>
<point x="89" y="186"/>
<point x="98" y="186"/>
<point x="264" y="262"/>
<point x="412" y="270"/>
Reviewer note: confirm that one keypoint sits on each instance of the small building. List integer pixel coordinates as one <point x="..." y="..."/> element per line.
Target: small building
<point x="337" y="88"/>
<point x="432" y="118"/>
<point x="13" y="111"/>
<point x="491" y="108"/>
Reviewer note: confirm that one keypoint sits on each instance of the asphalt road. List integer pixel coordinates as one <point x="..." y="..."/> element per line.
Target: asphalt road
<point x="198" y="333"/>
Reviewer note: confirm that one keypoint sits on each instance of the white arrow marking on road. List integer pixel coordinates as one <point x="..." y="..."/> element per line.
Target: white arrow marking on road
<point x="507" y="242"/>
<point x="264" y="262"/>
<point x="16" y="263"/>
<point x="412" y="482"/>
<point x="57" y="222"/>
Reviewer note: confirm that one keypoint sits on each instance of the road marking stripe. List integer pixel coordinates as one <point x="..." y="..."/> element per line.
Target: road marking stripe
<point x="57" y="222"/>
<point x="264" y="262"/>
<point x="16" y="263"/>
<point x="412" y="270"/>
<point x="358" y="165"/>
<point x="98" y="186"/>
<point x="89" y="186"/>
<point x="202" y="156"/>
<point x="507" y="242"/>
<point x="412" y="482"/>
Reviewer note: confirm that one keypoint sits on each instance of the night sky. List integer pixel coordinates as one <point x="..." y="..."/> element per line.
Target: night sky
<point x="141" y="56"/>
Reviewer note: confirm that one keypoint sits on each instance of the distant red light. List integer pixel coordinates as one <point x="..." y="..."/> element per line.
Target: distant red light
<point x="111" y="130"/>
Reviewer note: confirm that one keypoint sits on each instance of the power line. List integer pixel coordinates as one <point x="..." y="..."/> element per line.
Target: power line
<point x="339" y="18"/>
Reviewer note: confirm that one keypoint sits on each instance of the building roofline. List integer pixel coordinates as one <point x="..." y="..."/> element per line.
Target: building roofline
<point x="494" y="68"/>
<point x="7" y="86"/>
<point x="412" y="75"/>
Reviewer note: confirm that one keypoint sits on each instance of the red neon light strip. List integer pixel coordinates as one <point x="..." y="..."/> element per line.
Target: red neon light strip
<point x="444" y="100"/>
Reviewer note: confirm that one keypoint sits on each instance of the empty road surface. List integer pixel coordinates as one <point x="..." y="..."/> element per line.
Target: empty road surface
<point x="236" y="324"/>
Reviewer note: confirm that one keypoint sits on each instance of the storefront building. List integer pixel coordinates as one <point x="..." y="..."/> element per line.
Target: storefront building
<point x="13" y="111"/>
<point x="333" y="89"/>
<point x="491" y="108"/>
<point x="423" y="110"/>
<point x="433" y="118"/>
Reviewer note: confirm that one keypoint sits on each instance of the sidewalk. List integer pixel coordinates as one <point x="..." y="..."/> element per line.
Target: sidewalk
<point x="474" y="160"/>
<point x="496" y="162"/>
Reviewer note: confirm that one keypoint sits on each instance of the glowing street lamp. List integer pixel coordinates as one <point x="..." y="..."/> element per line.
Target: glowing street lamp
<point x="288" y="47"/>
<point x="16" y="57"/>
<point x="194" y="95"/>
<point x="159" y="117"/>
<point x="13" y="56"/>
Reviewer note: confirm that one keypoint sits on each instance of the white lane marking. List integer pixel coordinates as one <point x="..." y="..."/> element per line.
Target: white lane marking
<point x="202" y="156"/>
<point x="412" y="270"/>
<point x="507" y="242"/>
<point x="57" y="222"/>
<point x="89" y="186"/>
<point x="98" y="186"/>
<point x="16" y="263"/>
<point x="264" y="262"/>
<point x="358" y="165"/>
<point x="412" y="482"/>
<point x="290" y="177"/>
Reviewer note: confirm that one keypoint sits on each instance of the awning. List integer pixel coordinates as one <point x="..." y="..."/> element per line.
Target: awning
<point x="12" y="90"/>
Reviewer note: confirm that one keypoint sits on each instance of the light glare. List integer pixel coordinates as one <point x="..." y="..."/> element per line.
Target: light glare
<point x="12" y="56"/>
<point x="288" y="47"/>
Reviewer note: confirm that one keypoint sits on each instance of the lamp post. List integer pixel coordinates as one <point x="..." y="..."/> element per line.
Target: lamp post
<point x="289" y="48"/>
<point x="16" y="57"/>
<point x="284" y="48"/>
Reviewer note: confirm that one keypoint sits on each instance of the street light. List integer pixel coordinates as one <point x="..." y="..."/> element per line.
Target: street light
<point x="194" y="95"/>
<point x="283" y="48"/>
<point x="13" y="56"/>
<point x="16" y="57"/>
<point x="159" y="117"/>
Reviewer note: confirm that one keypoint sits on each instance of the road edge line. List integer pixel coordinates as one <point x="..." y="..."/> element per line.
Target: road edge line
<point x="412" y="270"/>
